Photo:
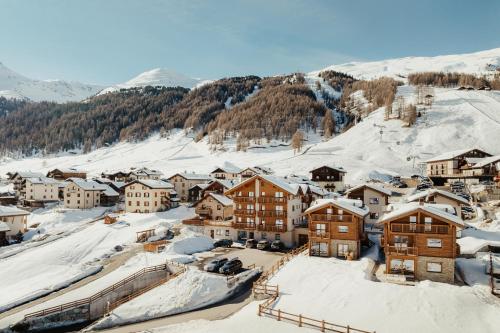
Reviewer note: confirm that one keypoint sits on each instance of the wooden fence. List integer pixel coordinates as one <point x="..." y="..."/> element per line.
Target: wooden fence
<point x="232" y="278"/>
<point x="96" y="296"/>
<point x="261" y="287"/>
<point x="492" y="277"/>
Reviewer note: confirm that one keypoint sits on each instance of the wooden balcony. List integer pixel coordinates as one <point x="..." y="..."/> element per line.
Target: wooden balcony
<point x="272" y="228"/>
<point x="196" y="221"/>
<point x="401" y="250"/>
<point x="203" y="211"/>
<point x="331" y="218"/>
<point x="244" y="225"/>
<point x="244" y="212"/>
<point x="221" y="223"/>
<point x="319" y="236"/>
<point x="239" y="199"/>
<point x="271" y="213"/>
<point x="420" y="228"/>
<point x="271" y="200"/>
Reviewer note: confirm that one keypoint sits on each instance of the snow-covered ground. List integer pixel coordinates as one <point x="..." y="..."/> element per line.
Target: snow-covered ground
<point x="455" y="121"/>
<point x="191" y="290"/>
<point x="40" y="270"/>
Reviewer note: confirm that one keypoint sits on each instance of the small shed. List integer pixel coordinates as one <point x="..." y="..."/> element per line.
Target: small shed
<point x="156" y="246"/>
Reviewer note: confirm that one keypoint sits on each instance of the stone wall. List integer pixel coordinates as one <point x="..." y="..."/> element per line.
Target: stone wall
<point x="447" y="274"/>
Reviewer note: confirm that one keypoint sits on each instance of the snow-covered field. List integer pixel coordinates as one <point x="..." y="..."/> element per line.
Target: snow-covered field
<point x="40" y="270"/>
<point x="457" y="119"/>
<point x="191" y="290"/>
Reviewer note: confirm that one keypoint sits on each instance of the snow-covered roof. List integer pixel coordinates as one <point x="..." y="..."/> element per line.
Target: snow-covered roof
<point x="152" y="183"/>
<point x="486" y="161"/>
<point x="451" y="154"/>
<point x="12" y="211"/>
<point x="433" y="209"/>
<point x="4" y="227"/>
<point x="68" y="170"/>
<point x="339" y="169"/>
<point x="374" y="187"/>
<point x="87" y="185"/>
<point x="227" y="183"/>
<point x="146" y="172"/>
<point x="431" y="192"/>
<point x="109" y="191"/>
<point x="42" y="180"/>
<point x="221" y="198"/>
<point x="351" y="205"/>
<point x="281" y="183"/>
<point x="28" y="174"/>
<point x="228" y="168"/>
<point x="200" y="185"/>
<point x="193" y="176"/>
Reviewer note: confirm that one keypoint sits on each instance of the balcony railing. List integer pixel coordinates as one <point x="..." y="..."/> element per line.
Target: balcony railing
<point x="203" y="211"/>
<point x="420" y="228"/>
<point x="401" y="250"/>
<point x="243" y="199"/>
<point x="220" y="223"/>
<point x="331" y="218"/>
<point x="193" y="221"/>
<point x="271" y="199"/>
<point x="244" y="225"/>
<point x="271" y="213"/>
<point x="319" y="235"/>
<point x="244" y="212"/>
<point x="272" y="228"/>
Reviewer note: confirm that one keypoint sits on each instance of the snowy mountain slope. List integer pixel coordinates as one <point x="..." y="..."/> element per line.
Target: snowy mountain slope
<point x="14" y="85"/>
<point x="483" y="62"/>
<point x="156" y="77"/>
<point x="458" y="119"/>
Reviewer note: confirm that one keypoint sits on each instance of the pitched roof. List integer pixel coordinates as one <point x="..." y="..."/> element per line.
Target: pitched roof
<point x="192" y="176"/>
<point x="221" y="198"/>
<point x="42" y="180"/>
<point x="152" y="183"/>
<point x="277" y="181"/>
<point x="351" y="205"/>
<point x="432" y="209"/>
<point x="201" y="185"/>
<point x="27" y="174"/>
<point x="229" y="168"/>
<point x="68" y="170"/>
<point x="452" y="154"/>
<point x="146" y="171"/>
<point x="339" y="169"/>
<point x="87" y="185"/>
<point x="485" y="161"/>
<point x="433" y="191"/>
<point x="12" y="211"/>
<point x="374" y="187"/>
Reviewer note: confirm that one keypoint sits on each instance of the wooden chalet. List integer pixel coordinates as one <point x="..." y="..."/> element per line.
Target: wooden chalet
<point x="336" y="227"/>
<point x="375" y="197"/>
<point x="329" y="177"/>
<point x="419" y="242"/>
<point x="63" y="174"/>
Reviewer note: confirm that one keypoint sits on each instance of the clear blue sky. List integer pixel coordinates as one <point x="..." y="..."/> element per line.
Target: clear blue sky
<point x="99" y="41"/>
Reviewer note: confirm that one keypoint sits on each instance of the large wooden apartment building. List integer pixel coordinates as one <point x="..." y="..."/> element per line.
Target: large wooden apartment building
<point x="420" y="242"/>
<point x="336" y="227"/>
<point x="266" y="207"/>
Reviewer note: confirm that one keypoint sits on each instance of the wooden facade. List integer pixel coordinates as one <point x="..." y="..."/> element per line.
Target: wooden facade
<point x="63" y="174"/>
<point x="421" y="244"/>
<point x="331" y="179"/>
<point x="335" y="231"/>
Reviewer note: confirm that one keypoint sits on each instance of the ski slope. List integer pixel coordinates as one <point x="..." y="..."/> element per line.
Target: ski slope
<point x="457" y="120"/>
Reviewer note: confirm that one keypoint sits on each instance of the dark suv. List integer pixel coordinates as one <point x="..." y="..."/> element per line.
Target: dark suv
<point x="277" y="245"/>
<point x="215" y="265"/>
<point x="232" y="266"/>
<point x="223" y="243"/>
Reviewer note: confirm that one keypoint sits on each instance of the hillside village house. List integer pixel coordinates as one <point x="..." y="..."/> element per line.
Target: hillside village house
<point x="252" y="171"/>
<point x="329" y="177"/>
<point x="18" y="180"/>
<point x="84" y="194"/>
<point x="375" y="197"/>
<point x="419" y="242"/>
<point x="336" y="227"/>
<point x="41" y="189"/>
<point x="195" y="192"/>
<point x="184" y="181"/>
<point x="449" y="166"/>
<point x="198" y="191"/>
<point x="144" y="173"/>
<point x="63" y="174"/>
<point x="149" y="196"/>
<point x="228" y="172"/>
<point x="266" y="207"/>
<point x="436" y="196"/>
<point x="12" y="222"/>
<point x="118" y="176"/>
<point x="216" y="211"/>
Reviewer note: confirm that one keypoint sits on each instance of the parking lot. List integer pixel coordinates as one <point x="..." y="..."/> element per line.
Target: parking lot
<point x="248" y="256"/>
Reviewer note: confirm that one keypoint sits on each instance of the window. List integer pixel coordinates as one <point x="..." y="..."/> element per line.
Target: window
<point x="428" y="223"/>
<point x="130" y="203"/>
<point x="373" y="216"/>
<point x="138" y="203"/>
<point x="88" y="195"/>
<point x="341" y="212"/>
<point x="67" y="201"/>
<point x="434" y="267"/>
<point x="250" y="194"/>
<point x="374" y="201"/>
<point x="218" y="232"/>
<point x="146" y="195"/>
<point x="343" y="228"/>
<point x="264" y="235"/>
<point x="277" y="237"/>
<point x="434" y="242"/>
<point x="413" y="223"/>
<point x="342" y="250"/>
<point x="227" y="233"/>
<point x="146" y="203"/>
<point x="219" y="207"/>
<point x="263" y="194"/>
<point x="156" y="203"/>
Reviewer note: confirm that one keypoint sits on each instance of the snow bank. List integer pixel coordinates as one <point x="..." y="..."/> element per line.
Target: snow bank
<point x="191" y="290"/>
<point x="478" y="236"/>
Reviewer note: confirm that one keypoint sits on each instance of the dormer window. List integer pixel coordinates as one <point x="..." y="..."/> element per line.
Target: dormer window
<point x="413" y="223"/>
<point x="428" y="223"/>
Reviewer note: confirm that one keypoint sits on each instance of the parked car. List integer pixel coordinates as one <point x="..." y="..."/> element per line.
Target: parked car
<point x="223" y="243"/>
<point x="231" y="266"/>
<point x="464" y="195"/>
<point x="422" y="187"/>
<point x="251" y="243"/>
<point x="215" y="265"/>
<point x="486" y="182"/>
<point x="263" y="245"/>
<point x="277" y="245"/>
<point x="468" y="209"/>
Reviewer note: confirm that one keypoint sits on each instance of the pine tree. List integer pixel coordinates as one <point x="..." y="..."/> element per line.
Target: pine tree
<point x="328" y="125"/>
